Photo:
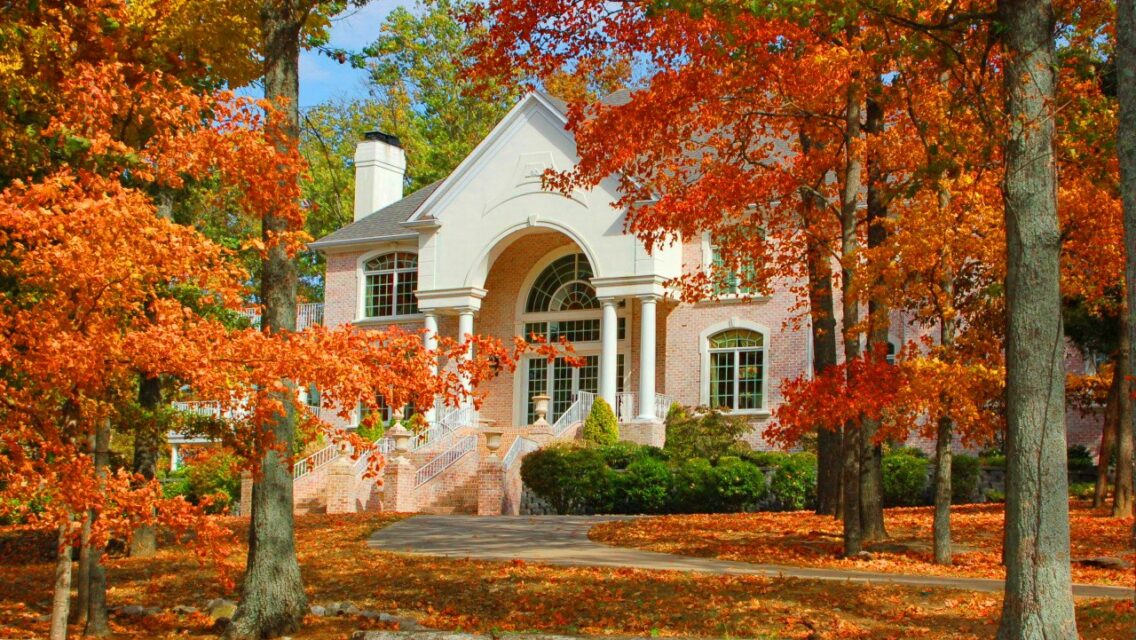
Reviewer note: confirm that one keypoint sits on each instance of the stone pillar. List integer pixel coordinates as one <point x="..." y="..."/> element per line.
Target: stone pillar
<point x="491" y="478"/>
<point x="175" y="456"/>
<point x="540" y="431"/>
<point x="609" y="334"/>
<point x="340" y="488"/>
<point x="246" y="494"/>
<point x="465" y="328"/>
<point x="647" y="358"/>
<point x="430" y="341"/>
<point x="398" y="486"/>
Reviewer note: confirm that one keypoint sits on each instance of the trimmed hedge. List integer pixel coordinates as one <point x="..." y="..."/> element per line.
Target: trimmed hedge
<point x="626" y="478"/>
<point x="964" y="479"/>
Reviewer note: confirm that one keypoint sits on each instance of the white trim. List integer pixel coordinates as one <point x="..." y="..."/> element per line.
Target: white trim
<point x="496" y="137"/>
<point x="476" y="275"/>
<point x="361" y="285"/>
<point x="707" y="260"/>
<point x="704" y="361"/>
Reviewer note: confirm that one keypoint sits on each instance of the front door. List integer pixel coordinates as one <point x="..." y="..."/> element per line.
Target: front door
<point x="561" y="381"/>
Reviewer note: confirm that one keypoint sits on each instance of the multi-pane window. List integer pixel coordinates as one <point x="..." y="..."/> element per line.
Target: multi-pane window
<point x="564" y="285"/>
<point x="384" y="410"/>
<point x="389" y="284"/>
<point x="729" y="282"/>
<point x="561" y="382"/>
<point x="737" y="370"/>
<point x="587" y="330"/>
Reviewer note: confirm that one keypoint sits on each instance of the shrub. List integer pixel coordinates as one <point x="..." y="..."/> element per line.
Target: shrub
<point x="210" y="474"/>
<point x="572" y="479"/>
<point x="794" y="482"/>
<point x="737" y="485"/>
<point x="710" y="435"/>
<point x="905" y="478"/>
<point x="644" y="487"/>
<point x="1082" y="490"/>
<point x="964" y="479"/>
<point x="992" y="459"/>
<point x="620" y="454"/>
<point x="692" y="486"/>
<point x="1080" y="458"/>
<point x="601" y="426"/>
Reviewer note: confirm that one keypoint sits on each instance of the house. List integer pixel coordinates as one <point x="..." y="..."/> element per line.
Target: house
<point x="488" y="251"/>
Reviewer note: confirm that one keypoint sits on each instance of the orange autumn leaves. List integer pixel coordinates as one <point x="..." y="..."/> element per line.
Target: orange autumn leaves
<point x="810" y="540"/>
<point x="905" y="397"/>
<point x="494" y="597"/>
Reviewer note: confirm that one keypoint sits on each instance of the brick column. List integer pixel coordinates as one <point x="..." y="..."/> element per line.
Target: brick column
<point x="490" y="486"/>
<point x="340" y="488"/>
<point x="246" y="494"/>
<point x="398" y="486"/>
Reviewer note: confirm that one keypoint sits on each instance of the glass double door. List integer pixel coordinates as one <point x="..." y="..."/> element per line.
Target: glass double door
<point x="560" y="381"/>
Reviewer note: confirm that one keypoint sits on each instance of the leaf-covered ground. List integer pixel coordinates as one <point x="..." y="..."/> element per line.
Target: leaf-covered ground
<point x="486" y="596"/>
<point x="806" y="539"/>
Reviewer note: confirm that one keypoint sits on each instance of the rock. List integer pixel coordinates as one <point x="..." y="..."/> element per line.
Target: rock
<point x="408" y="624"/>
<point x="133" y="611"/>
<point x="386" y="617"/>
<point x="318" y="610"/>
<point x="339" y="608"/>
<point x="221" y="609"/>
<point x="182" y="609"/>
<point x="43" y="618"/>
<point x="351" y="610"/>
<point x="1104" y="562"/>
<point x="862" y="555"/>
<point x="371" y="615"/>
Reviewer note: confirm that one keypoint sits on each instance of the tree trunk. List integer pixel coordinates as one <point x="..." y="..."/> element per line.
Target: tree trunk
<point x="1038" y="600"/>
<point x="941" y="523"/>
<point x="97" y="623"/>
<point x="1126" y="152"/>
<point x="147" y="442"/>
<point x="871" y="458"/>
<point x="1108" y="433"/>
<point x="823" y="325"/>
<point x="273" y="602"/>
<point x="61" y="595"/>
<point x="83" y="580"/>
<point x="853" y="169"/>
<point x="1122" y="491"/>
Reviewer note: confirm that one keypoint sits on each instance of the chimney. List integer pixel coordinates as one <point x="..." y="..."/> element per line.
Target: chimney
<point x="380" y="166"/>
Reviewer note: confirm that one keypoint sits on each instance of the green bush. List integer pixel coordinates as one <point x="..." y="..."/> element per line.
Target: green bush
<point x="620" y="454"/>
<point x="964" y="479"/>
<point x="572" y="479"/>
<point x="710" y="435"/>
<point x="692" y="488"/>
<point x="992" y="459"/>
<point x="601" y="426"/>
<point x="213" y="474"/>
<point x="994" y="495"/>
<point x="1082" y="490"/>
<point x="644" y="487"/>
<point x="1080" y="458"/>
<point x="794" y="482"/>
<point x="736" y="485"/>
<point x="905" y="478"/>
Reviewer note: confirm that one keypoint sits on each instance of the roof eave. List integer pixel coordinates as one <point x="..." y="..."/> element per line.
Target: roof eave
<point x="324" y="245"/>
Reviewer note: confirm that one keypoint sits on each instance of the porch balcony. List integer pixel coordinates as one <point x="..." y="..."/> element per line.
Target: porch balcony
<point x="307" y="314"/>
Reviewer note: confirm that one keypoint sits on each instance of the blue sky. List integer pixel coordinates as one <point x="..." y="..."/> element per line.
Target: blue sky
<point x="322" y="78"/>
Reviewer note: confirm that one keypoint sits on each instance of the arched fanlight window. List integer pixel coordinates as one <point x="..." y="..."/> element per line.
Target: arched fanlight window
<point x="389" y="284"/>
<point x="737" y="370"/>
<point x="564" y="285"/>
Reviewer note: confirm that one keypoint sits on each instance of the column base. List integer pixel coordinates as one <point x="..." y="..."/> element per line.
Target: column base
<point x="646" y="431"/>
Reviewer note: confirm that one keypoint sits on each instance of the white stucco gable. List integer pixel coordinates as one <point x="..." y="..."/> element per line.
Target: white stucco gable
<point x="495" y="197"/>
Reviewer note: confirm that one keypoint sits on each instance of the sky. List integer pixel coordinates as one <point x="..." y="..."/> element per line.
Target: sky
<point x="322" y="78"/>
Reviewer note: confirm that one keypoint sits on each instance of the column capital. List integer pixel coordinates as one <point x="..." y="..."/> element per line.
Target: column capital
<point x="649" y="297"/>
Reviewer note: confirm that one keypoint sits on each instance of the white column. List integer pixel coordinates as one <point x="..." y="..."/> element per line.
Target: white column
<point x="647" y="358"/>
<point x="430" y="341"/>
<point x="609" y="333"/>
<point x="465" y="329"/>
<point x="174" y="457"/>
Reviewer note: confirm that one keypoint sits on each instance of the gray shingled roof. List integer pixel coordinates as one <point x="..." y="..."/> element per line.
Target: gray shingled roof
<point x="384" y="223"/>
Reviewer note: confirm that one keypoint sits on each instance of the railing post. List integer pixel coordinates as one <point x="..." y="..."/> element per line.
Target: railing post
<point x="490" y="478"/>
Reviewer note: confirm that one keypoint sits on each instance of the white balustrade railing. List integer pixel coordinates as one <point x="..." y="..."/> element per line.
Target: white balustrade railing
<point x="304" y="466"/>
<point x="575" y="413"/>
<point x="625" y="407"/>
<point x="444" y="460"/>
<point x="307" y="314"/>
<point x="520" y="448"/>
<point x="663" y="404"/>
<point x="209" y="408"/>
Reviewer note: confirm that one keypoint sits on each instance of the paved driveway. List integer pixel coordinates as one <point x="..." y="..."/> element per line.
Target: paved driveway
<point x="563" y="540"/>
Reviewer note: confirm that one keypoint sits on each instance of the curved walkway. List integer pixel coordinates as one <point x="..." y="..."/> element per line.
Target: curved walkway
<point x="563" y="540"/>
